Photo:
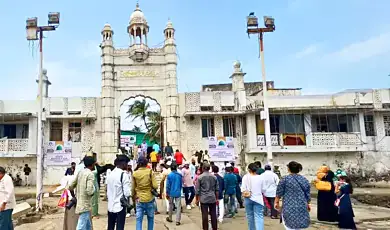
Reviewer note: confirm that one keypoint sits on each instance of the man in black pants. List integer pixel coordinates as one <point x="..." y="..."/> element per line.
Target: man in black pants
<point x="118" y="186"/>
<point x="207" y="195"/>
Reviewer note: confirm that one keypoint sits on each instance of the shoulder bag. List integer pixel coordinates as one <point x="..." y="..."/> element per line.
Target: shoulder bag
<point x="125" y="201"/>
<point x="248" y="193"/>
<point x="153" y="191"/>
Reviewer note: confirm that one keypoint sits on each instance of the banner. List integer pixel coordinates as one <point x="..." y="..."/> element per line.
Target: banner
<point x="221" y="149"/>
<point x="128" y="140"/>
<point x="59" y="153"/>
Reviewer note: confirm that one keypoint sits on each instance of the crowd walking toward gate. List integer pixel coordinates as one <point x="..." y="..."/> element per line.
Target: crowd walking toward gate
<point x="220" y="192"/>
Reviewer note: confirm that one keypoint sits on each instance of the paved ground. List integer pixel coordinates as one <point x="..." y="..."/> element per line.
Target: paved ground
<point x="192" y="220"/>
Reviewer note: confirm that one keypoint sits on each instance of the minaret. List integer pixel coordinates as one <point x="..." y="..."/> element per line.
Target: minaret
<point x="46" y="84"/>
<point x="138" y="28"/>
<point x="172" y="100"/>
<point x="238" y="86"/>
<point x="109" y="148"/>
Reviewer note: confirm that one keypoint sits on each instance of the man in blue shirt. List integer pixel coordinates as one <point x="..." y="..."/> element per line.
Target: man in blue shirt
<point x="230" y="190"/>
<point x="156" y="147"/>
<point x="173" y="193"/>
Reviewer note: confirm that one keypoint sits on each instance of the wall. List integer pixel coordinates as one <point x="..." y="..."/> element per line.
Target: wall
<point x="15" y="165"/>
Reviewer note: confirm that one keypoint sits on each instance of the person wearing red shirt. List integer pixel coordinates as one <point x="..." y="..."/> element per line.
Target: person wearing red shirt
<point x="179" y="157"/>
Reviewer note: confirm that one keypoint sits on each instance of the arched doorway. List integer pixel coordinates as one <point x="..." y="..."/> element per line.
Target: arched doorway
<point x="140" y="121"/>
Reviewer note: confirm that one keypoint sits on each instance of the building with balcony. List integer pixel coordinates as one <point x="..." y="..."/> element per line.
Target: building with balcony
<point x="349" y="130"/>
<point x="65" y="119"/>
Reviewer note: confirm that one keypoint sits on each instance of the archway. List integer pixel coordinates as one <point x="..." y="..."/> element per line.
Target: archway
<point x="140" y="120"/>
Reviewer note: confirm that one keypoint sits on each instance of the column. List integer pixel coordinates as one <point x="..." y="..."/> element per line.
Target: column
<point x="251" y="131"/>
<point x="362" y="128"/>
<point x="308" y="130"/>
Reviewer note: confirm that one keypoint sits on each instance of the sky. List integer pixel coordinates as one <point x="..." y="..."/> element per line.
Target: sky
<point x="320" y="46"/>
<point x="128" y="122"/>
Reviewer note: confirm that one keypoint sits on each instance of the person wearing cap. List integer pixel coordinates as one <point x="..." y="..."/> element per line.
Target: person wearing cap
<point x="207" y="189"/>
<point x="143" y="183"/>
<point x="173" y="193"/>
<point x="230" y="181"/>
<point x="85" y="186"/>
<point x="188" y="185"/>
<point x="270" y="182"/>
<point x="118" y="186"/>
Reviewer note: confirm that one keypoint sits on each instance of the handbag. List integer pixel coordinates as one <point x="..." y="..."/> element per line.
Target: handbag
<point x="125" y="202"/>
<point x="248" y="193"/>
<point x="337" y="201"/>
<point x="153" y="191"/>
<point x="323" y="186"/>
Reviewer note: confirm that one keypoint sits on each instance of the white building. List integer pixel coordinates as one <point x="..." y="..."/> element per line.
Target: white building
<point x="350" y="129"/>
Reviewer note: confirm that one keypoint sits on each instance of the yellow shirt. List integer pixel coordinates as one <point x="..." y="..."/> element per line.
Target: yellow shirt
<point x="153" y="156"/>
<point x="143" y="182"/>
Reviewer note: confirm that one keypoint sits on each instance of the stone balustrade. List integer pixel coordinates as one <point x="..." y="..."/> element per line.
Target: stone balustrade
<point x="13" y="145"/>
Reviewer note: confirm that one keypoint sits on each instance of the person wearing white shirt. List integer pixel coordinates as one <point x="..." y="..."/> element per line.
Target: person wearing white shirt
<point x="7" y="200"/>
<point x="118" y="186"/>
<point x="270" y="183"/>
<point x="252" y="189"/>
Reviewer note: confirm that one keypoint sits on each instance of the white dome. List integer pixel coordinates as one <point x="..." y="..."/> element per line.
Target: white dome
<point x="169" y="25"/>
<point x="107" y="27"/>
<point x="137" y="16"/>
<point x="237" y="64"/>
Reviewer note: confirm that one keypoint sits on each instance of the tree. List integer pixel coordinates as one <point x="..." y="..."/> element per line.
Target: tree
<point x="155" y="122"/>
<point x="139" y="110"/>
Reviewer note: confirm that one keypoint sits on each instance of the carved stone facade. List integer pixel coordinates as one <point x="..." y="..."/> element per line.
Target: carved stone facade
<point x="138" y="71"/>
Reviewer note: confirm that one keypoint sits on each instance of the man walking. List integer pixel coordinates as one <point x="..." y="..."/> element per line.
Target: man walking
<point x="270" y="181"/>
<point x="221" y="184"/>
<point x="168" y="150"/>
<point x="7" y="200"/>
<point x="206" y="194"/>
<point x="118" y="187"/>
<point x="144" y="183"/>
<point x="85" y="187"/>
<point x="174" y="185"/>
<point x="188" y="185"/>
<point x="27" y="171"/>
<point x="230" y="190"/>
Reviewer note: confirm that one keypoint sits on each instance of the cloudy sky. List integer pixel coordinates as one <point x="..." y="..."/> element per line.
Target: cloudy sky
<point x="321" y="46"/>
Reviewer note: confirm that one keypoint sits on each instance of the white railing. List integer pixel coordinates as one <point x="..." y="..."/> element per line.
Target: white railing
<point x="275" y="140"/>
<point x="336" y="139"/>
<point x="13" y="145"/>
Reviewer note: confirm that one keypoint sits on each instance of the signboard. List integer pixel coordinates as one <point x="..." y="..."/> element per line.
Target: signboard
<point x="221" y="149"/>
<point x="128" y="140"/>
<point x="59" y="153"/>
<point x="140" y="73"/>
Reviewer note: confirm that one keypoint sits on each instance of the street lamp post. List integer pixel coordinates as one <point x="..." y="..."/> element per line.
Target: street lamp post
<point x="253" y="28"/>
<point x="35" y="32"/>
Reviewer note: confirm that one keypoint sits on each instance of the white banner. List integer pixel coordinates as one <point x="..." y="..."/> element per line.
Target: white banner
<point x="221" y="149"/>
<point x="59" y="153"/>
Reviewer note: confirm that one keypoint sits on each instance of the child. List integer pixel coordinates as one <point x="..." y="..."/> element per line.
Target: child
<point x="346" y="214"/>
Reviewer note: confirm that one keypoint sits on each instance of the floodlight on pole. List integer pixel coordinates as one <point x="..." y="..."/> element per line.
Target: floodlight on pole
<point x="35" y="32"/>
<point x="253" y="28"/>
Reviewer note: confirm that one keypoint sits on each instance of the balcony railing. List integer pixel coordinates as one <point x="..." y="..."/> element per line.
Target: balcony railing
<point x="274" y="140"/>
<point x="13" y="145"/>
<point x="336" y="139"/>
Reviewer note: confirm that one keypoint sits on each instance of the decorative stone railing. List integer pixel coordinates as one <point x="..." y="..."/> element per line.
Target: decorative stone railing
<point x="275" y="140"/>
<point x="336" y="139"/>
<point x="13" y="145"/>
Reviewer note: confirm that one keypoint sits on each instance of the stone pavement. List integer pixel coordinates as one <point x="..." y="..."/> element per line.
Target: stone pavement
<point x="192" y="220"/>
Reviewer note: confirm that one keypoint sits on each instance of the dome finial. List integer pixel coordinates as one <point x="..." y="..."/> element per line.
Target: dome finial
<point x="137" y="5"/>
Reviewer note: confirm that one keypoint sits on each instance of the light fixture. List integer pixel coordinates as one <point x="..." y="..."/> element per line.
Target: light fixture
<point x="32" y="29"/>
<point x="252" y="20"/>
<point x="54" y="18"/>
<point x="269" y="22"/>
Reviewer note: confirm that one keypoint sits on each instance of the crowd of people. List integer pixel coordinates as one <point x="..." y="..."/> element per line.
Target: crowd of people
<point x="219" y="192"/>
